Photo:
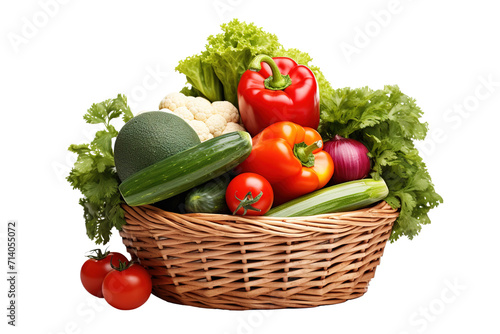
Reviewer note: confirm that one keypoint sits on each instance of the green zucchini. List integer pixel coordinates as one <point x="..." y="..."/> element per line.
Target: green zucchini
<point x="345" y="196"/>
<point x="186" y="169"/>
<point x="210" y="197"/>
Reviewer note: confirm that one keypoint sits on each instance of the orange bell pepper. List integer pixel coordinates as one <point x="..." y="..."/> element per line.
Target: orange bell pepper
<point x="291" y="158"/>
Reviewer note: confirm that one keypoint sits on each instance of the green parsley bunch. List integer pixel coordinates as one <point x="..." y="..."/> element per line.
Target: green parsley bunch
<point x="94" y="172"/>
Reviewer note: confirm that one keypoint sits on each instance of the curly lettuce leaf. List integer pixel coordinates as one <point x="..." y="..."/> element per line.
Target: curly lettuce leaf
<point x="225" y="59"/>
<point x="201" y="76"/>
<point x="216" y="71"/>
<point x="231" y="51"/>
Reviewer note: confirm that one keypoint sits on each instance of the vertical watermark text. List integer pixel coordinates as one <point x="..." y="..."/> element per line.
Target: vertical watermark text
<point x="12" y="243"/>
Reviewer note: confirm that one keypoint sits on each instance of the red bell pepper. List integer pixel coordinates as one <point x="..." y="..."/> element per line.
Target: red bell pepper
<point x="277" y="89"/>
<point x="291" y="158"/>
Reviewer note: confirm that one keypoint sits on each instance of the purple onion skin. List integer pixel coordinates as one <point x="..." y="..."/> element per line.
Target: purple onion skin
<point x="350" y="159"/>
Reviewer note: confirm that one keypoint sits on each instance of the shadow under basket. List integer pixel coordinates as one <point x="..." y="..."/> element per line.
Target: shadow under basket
<point x="238" y="263"/>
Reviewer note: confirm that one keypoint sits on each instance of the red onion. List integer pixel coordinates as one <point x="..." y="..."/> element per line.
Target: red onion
<point x="350" y="159"/>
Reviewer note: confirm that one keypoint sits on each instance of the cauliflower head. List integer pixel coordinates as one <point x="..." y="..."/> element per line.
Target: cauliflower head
<point x="216" y="124"/>
<point x="208" y="119"/>
<point x="201" y="108"/>
<point x="173" y="101"/>
<point x="227" y="110"/>
<point x="184" y="113"/>
<point x="232" y="127"/>
<point x="201" y="130"/>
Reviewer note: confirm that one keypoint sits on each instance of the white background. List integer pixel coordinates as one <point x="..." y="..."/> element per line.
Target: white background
<point x="58" y="57"/>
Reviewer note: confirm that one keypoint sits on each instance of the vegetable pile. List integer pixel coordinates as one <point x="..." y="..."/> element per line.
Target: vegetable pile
<point x="275" y="138"/>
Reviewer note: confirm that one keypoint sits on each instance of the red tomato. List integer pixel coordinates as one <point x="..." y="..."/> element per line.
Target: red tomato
<point x="96" y="268"/>
<point x="249" y="194"/>
<point x="127" y="288"/>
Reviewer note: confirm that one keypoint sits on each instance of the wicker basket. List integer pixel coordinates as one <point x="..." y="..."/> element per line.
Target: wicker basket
<point x="232" y="262"/>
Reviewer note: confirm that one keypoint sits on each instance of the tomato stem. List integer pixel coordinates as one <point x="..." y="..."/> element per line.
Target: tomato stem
<point x="121" y="265"/>
<point x="246" y="202"/>
<point x="99" y="255"/>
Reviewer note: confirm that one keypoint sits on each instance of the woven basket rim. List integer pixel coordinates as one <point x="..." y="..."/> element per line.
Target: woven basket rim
<point x="209" y="224"/>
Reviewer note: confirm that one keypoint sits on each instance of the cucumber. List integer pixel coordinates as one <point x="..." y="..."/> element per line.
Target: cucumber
<point x="345" y="196"/>
<point x="186" y="169"/>
<point x="210" y="197"/>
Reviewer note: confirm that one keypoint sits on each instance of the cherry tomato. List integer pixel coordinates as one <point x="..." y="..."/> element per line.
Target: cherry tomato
<point x="249" y="194"/>
<point x="127" y="287"/>
<point x="96" y="268"/>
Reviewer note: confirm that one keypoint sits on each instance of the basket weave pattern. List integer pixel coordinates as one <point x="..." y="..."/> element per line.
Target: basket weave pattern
<point x="233" y="262"/>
